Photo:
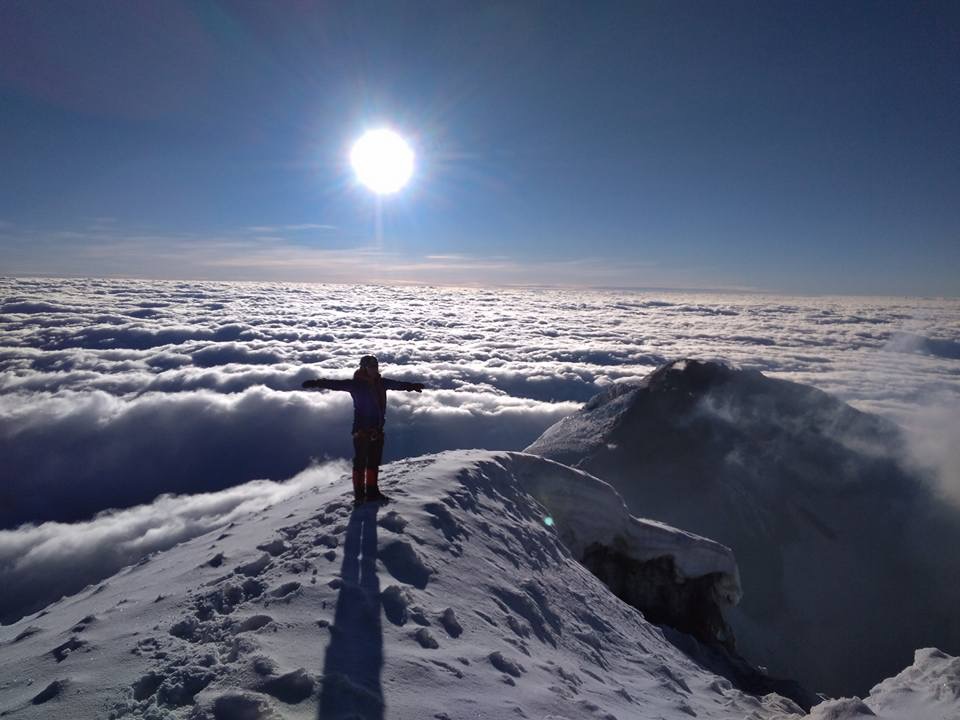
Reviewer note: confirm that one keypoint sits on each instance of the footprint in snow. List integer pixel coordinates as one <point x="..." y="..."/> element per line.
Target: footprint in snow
<point x="426" y="639"/>
<point x="255" y="567"/>
<point x="237" y="705"/>
<point x="180" y="685"/>
<point x="263" y="665"/>
<point x="402" y="561"/>
<point x="145" y="646"/>
<point x="27" y="632"/>
<point x="51" y="691"/>
<point x="419" y="616"/>
<point x="84" y="623"/>
<point x="187" y="629"/>
<point x="486" y="618"/>
<point x="146" y="686"/>
<point x="61" y="652"/>
<point x="393" y="522"/>
<point x="291" y="688"/>
<point x="285" y="590"/>
<point x="450" y="623"/>
<point x="254" y="622"/>
<point x="326" y="540"/>
<point x="449" y="668"/>
<point x="229" y="596"/>
<point x="395" y="602"/>
<point x="505" y="664"/>
<point x="274" y="547"/>
<point x="336" y="508"/>
<point x="292" y="531"/>
<point x="444" y="521"/>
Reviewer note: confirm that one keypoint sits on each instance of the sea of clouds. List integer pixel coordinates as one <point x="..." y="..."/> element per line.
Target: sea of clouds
<point x="116" y="392"/>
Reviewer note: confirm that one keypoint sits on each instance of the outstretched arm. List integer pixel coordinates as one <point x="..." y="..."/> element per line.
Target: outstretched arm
<point x="323" y="384"/>
<point x="401" y="385"/>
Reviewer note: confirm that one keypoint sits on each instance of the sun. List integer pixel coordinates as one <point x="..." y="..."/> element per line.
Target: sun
<point x="382" y="160"/>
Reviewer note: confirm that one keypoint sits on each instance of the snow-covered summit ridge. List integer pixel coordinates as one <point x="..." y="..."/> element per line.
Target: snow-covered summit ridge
<point x="833" y="532"/>
<point x="456" y="600"/>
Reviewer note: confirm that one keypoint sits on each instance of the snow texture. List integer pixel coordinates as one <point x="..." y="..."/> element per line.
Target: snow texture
<point x="456" y="600"/>
<point x="929" y="689"/>
<point x="51" y="560"/>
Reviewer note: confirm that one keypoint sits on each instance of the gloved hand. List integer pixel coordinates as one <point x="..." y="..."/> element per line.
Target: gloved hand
<point x="309" y="384"/>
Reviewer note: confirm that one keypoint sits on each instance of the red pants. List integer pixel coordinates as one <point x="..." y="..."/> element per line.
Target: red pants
<point x="367" y="449"/>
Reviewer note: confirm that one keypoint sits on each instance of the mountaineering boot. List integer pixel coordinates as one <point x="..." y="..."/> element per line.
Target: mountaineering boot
<point x="358" y="494"/>
<point x="373" y="492"/>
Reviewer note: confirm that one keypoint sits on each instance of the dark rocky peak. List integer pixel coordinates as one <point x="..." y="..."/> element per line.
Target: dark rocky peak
<point x="713" y="397"/>
<point x="814" y="497"/>
<point x="696" y="376"/>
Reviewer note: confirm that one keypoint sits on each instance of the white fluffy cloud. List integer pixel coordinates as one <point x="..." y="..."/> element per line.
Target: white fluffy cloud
<point x="74" y="453"/>
<point x="113" y="392"/>
<point x="48" y="561"/>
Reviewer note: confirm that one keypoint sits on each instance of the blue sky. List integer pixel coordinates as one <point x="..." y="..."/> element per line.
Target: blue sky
<point x="787" y="146"/>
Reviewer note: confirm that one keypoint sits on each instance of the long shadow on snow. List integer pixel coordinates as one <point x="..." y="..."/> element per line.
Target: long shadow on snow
<point x="354" y="658"/>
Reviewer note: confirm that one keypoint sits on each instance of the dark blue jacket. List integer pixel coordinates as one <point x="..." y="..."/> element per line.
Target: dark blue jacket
<point x="369" y="397"/>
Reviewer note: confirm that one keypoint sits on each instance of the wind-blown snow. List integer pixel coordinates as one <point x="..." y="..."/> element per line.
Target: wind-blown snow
<point x="455" y="601"/>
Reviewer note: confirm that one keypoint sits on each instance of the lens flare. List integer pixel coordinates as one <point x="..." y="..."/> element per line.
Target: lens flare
<point x="382" y="161"/>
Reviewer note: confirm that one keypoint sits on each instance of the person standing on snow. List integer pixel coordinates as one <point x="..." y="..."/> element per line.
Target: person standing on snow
<point x="369" y="392"/>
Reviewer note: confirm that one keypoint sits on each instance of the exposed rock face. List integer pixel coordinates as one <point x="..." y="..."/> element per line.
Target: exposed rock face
<point x="678" y="580"/>
<point x="691" y="615"/>
<point x="835" y="540"/>
<point x="672" y="576"/>
<point x="744" y="676"/>
<point x="689" y="605"/>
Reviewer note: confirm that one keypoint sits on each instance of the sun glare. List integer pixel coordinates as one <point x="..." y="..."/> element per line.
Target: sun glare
<point x="382" y="160"/>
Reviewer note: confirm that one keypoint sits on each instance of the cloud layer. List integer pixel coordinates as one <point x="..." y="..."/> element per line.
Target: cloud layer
<point x="115" y="392"/>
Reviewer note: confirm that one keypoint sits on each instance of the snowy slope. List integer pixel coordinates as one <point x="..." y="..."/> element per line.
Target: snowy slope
<point x="457" y="600"/>
<point x="835" y="540"/>
<point x="929" y="689"/>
